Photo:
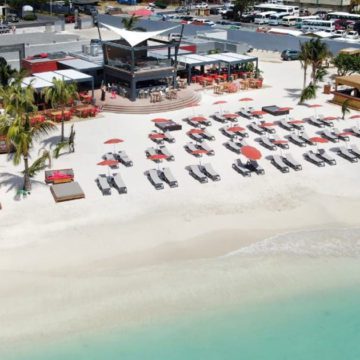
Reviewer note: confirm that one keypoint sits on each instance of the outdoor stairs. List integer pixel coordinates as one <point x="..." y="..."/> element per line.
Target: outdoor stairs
<point x="143" y="107"/>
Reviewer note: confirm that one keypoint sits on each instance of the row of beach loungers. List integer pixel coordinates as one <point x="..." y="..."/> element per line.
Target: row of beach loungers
<point x="158" y="177"/>
<point x="151" y="151"/>
<point x="192" y="148"/>
<point x="120" y="156"/>
<point x="203" y="172"/>
<point x="105" y="183"/>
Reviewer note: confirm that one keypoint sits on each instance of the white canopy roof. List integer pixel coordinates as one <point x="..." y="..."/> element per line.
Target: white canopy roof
<point x="73" y="75"/>
<point x="36" y="82"/>
<point x="80" y="64"/>
<point x="49" y="75"/>
<point x="134" y="38"/>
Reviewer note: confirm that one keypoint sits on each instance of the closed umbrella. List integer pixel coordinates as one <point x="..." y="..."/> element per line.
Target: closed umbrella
<point x="296" y="122"/>
<point x="330" y="118"/>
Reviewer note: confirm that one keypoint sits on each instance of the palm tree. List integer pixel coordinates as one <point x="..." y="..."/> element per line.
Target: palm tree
<point x="318" y="53"/>
<point x="15" y="124"/>
<point x="59" y="95"/>
<point x="345" y="108"/>
<point x="130" y="22"/>
<point x="308" y="93"/>
<point x="304" y="58"/>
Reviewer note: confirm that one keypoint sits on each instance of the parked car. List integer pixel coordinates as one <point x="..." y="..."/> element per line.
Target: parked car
<point x="342" y="24"/>
<point x="290" y="54"/>
<point x="182" y="10"/>
<point x="229" y="14"/>
<point x="247" y="18"/>
<point x="4" y="29"/>
<point x="203" y="22"/>
<point x="202" y="5"/>
<point x="12" y="18"/>
<point x="215" y="10"/>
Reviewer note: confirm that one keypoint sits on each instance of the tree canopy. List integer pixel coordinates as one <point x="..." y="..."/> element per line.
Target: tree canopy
<point x="347" y="64"/>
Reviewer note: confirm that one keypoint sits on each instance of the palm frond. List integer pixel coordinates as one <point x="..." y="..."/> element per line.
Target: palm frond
<point x="40" y="163"/>
<point x="59" y="147"/>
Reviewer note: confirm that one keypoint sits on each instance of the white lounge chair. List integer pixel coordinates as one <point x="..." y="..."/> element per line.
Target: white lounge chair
<point x="355" y="130"/>
<point x="209" y="171"/>
<point x="296" y="140"/>
<point x="355" y="150"/>
<point x="254" y="166"/>
<point x="110" y="156"/>
<point x="103" y="184"/>
<point x="279" y="142"/>
<point x="266" y="142"/>
<point x="168" y="177"/>
<point x="346" y="154"/>
<point x="191" y="147"/>
<point x="168" y="137"/>
<point x="165" y="151"/>
<point x="151" y="151"/>
<point x="315" y="159"/>
<point x="232" y="146"/>
<point x="195" y="171"/>
<point x="323" y="154"/>
<point x="330" y="136"/>
<point x="241" y="168"/>
<point x="314" y="121"/>
<point x="277" y="161"/>
<point x="256" y="129"/>
<point x="118" y="183"/>
<point x="206" y="147"/>
<point x="124" y="158"/>
<point x="285" y="125"/>
<point x="153" y="177"/>
<point x="303" y="135"/>
<point x="207" y="135"/>
<point x="341" y="135"/>
<point x="289" y="160"/>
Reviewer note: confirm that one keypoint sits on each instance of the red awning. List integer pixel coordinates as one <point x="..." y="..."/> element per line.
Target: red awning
<point x="250" y="152"/>
<point x="113" y="141"/>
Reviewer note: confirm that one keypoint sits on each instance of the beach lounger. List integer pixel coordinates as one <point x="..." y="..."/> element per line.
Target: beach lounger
<point x="256" y="129"/>
<point x="206" y="147"/>
<point x="196" y="173"/>
<point x="324" y="155"/>
<point x="290" y="161"/>
<point x="165" y="151"/>
<point x="219" y="117"/>
<point x="306" y="138"/>
<point x="153" y="177"/>
<point x="103" y="184"/>
<point x="208" y="136"/>
<point x="168" y="137"/>
<point x="355" y="130"/>
<point x="241" y="142"/>
<point x="111" y="156"/>
<point x="341" y="135"/>
<point x="299" y="127"/>
<point x="280" y="143"/>
<point x="209" y="171"/>
<point x="246" y="113"/>
<point x="296" y="140"/>
<point x="241" y="168"/>
<point x="277" y="161"/>
<point x="268" y="129"/>
<point x="196" y="137"/>
<point x="190" y="147"/>
<point x="285" y="125"/>
<point x="266" y="142"/>
<point x="330" y="136"/>
<point x="254" y="166"/>
<point x="168" y="177"/>
<point x="312" y="157"/>
<point x="118" y="183"/>
<point x="232" y="146"/>
<point x="346" y="154"/>
<point x="124" y="158"/>
<point x="314" y="121"/>
<point x="151" y="151"/>
<point x="227" y="133"/>
<point x="355" y="150"/>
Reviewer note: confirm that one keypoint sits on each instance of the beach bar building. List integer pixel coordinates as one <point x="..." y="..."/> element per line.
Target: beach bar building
<point x="129" y="63"/>
<point x="347" y="88"/>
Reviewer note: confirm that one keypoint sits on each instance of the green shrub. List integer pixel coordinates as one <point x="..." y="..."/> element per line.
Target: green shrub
<point x="160" y="4"/>
<point x="30" y="17"/>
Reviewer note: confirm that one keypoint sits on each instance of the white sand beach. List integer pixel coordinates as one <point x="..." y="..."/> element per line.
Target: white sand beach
<point x="109" y="260"/>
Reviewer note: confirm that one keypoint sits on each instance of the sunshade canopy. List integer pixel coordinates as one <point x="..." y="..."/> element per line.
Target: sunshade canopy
<point x="250" y="152"/>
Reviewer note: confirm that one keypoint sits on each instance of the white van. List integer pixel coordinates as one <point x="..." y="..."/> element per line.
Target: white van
<point x="263" y="18"/>
<point x="275" y="19"/>
<point x="289" y="20"/>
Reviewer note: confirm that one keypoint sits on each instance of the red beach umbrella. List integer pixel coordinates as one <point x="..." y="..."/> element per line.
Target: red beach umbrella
<point x="250" y="152"/>
<point x="156" y="136"/>
<point x="108" y="163"/>
<point x="355" y="117"/>
<point x="113" y="141"/>
<point x="199" y="118"/>
<point x="280" y="142"/>
<point x="157" y="157"/>
<point x="296" y="121"/>
<point x="286" y="109"/>
<point x="235" y="129"/>
<point x="267" y="124"/>
<point x="314" y="106"/>
<point x="195" y="131"/>
<point x="246" y="99"/>
<point x="258" y="112"/>
<point x="219" y="102"/>
<point x="346" y="133"/>
<point x="199" y="152"/>
<point x="159" y="120"/>
<point x="330" y="118"/>
<point x="231" y="116"/>
<point x="319" y="140"/>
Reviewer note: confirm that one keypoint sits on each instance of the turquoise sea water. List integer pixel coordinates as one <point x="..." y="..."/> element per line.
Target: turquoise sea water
<point x="325" y="325"/>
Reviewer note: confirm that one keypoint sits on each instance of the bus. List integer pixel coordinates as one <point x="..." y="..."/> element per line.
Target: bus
<point x="291" y="10"/>
<point x="289" y="20"/>
<point x="275" y="19"/>
<point x="300" y="20"/>
<point x="263" y="18"/>
<point x="342" y="16"/>
<point x="318" y="25"/>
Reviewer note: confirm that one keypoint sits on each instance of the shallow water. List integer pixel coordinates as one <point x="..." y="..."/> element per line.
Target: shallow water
<point x="325" y="325"/>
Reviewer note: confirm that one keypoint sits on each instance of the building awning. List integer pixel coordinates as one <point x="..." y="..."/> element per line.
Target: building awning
<point x="35" y="82"/>
<point x="232" y="58"/>
<point x="134" y="38"/>
<point x="79" y="64"/>
<point x="351" y="80"/>
<point x="73" y="75"/>
<point x="196" y="60"/>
